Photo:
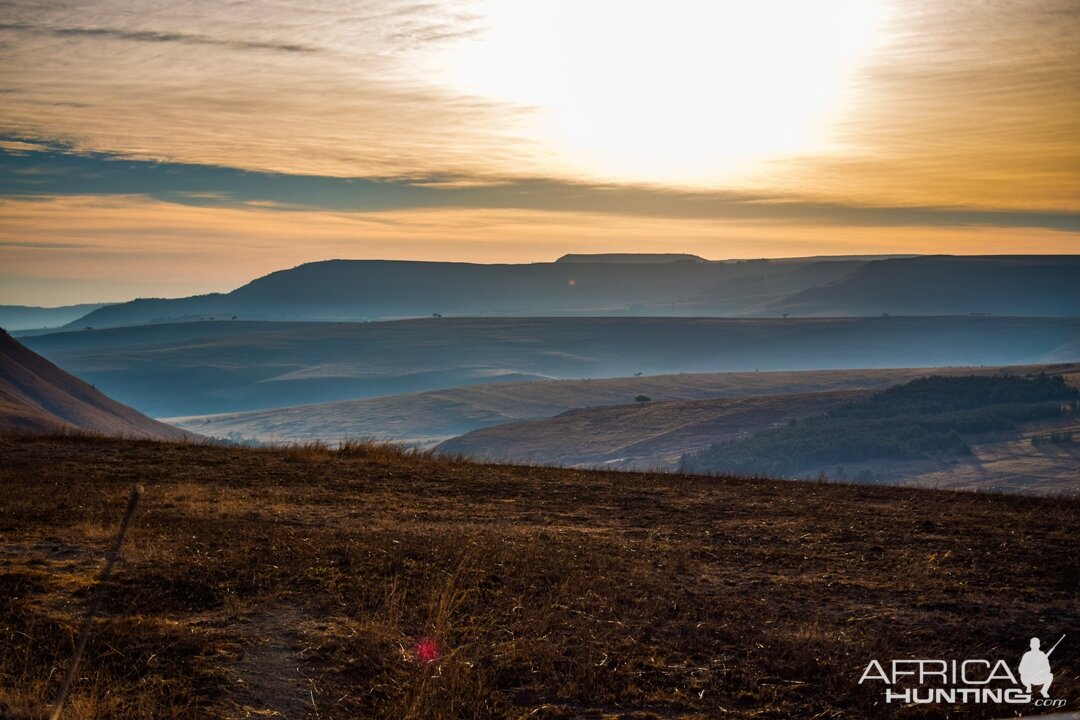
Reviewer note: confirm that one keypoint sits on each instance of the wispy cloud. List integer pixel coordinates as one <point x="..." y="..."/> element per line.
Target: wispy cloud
<point x="59" y="172"/>
<point x="970" y="103"/>
<point x="150" y="36"/>
<point x="344" y="88"/>
<point x="43" y="245"/>
<point x="21" y="147"/>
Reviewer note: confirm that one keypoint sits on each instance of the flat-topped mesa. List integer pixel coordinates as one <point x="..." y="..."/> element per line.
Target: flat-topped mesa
<point x="631" y="258"/>
<point x="621" y="284"/>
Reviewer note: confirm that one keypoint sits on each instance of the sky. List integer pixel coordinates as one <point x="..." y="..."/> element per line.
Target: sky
<point x="159" y="149"/>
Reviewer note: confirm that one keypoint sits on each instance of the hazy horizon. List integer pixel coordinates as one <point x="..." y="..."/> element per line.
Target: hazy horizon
<point x="16" y="288"/>
<point x="14" y="292"/>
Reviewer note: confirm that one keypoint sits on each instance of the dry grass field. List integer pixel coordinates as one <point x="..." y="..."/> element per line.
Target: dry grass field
<point x="369" y="583"/>
<point x="640" y="436"/>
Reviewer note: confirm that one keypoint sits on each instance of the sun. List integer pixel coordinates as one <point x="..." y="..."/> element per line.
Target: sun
<point x="669" y="91"/>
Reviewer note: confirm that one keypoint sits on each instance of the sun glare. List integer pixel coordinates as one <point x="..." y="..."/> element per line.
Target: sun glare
<point x="669" y="91"/>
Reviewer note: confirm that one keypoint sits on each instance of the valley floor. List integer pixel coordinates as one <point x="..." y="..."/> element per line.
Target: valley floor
<point x="302" y="583"/>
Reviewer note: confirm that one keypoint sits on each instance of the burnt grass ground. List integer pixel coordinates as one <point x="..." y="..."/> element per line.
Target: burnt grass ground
<point x="368" y="583"/>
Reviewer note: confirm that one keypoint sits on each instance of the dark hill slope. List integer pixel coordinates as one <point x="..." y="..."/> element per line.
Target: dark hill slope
<point x="941" y="285"/>
<point x="755" y="293"/>
<point x="37" y="396"/>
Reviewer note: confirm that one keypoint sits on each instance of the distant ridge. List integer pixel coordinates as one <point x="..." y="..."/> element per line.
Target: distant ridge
<point x="1020" y="285"/>
<point x="333" y="290"/>
<point x="623" y="284"/>
<point x="37" y="396"/>
<point x="632" y="258"/>
<point x="27" y="317"/>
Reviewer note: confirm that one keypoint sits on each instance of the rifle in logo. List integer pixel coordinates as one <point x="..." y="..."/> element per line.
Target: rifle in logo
<point x="1035" y="667"/>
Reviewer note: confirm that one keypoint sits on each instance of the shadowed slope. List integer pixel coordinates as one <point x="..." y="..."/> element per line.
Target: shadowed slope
<point x="37" y="396"/>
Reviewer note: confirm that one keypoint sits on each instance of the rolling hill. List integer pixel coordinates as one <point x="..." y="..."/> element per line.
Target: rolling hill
<point x="430" y="417"/>
<point x="658" y="435"/>
<point x="213" y="367"/>
<point x="644" y="436"/>
<point x="36" y="397"/>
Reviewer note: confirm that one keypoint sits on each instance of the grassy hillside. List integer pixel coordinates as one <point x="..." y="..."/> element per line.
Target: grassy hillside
<point x="431" y="417"/>
<point x="37" y="396"/>
<point x="657" y="434"/>
<point x="369" y="584"/>
<point x="928" y="417"/>
<point x="233" y="366"/>
<point x="1011" y="461"/>
<point x="644" y="435"/>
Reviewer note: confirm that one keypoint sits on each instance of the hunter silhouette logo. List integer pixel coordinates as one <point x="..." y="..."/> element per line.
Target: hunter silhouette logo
<point x="974" y="680"/>
<point x="1035" y="667"/>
